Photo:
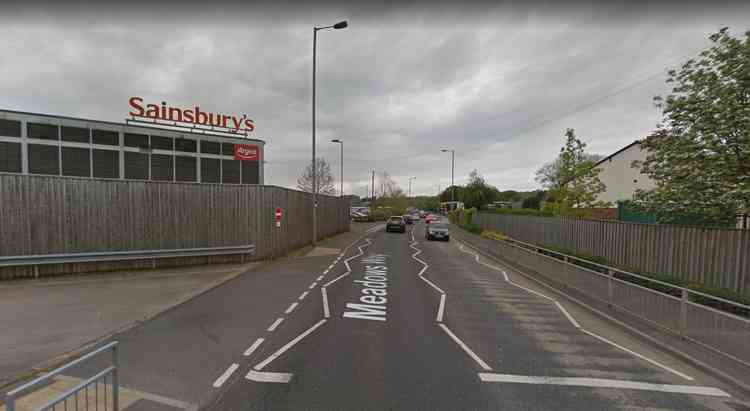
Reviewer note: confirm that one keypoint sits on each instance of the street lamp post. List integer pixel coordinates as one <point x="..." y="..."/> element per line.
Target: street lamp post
<point x="410" y="178"/>
<point x="453" y="187"/>
<point x="339" y="25"/>
<point x="342" y="163"/>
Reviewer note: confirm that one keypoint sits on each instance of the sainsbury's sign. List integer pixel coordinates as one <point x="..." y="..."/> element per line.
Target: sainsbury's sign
<point x="246" y="152"/>
<point x="193" y="115"/>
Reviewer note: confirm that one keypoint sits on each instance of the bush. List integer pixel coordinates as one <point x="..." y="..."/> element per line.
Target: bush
<point x="472" y="228"/>
<point x="494" y="235"/>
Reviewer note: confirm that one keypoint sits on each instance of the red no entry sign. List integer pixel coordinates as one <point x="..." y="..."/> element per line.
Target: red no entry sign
<point x="278" y="213"/>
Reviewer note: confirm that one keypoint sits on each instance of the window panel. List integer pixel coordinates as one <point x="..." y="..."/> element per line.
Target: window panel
<point x="44" y="159"/>
<point x="42" y="131"/>
<point x="106" y="163"/>
<point x="186" y="168"/>
<point x="230" y="171"/>
<point x="186" y="145"/>
<point x="136" y="166"/>
<point x="250" y="173"/>
<point x="136" y="140"/>
<point x="161" y="167"/>
<point x="10" y="128"/>
<point x="105" y="137"/>
<point x="75" y="134"/>
<point x="210" y="147"/>
<point x="76" y="161"/>
<point x="162" y="143"/>
<point x="227" y="149"/>
<point x="10" y="157"/>
<point x="210" y="170"/>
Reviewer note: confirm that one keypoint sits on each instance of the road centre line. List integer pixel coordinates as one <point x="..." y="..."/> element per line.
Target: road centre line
<point x="321" y="277"/>
<point x="288" y="345"/>
<point x="303" y="295"/>
<point x="228" y="373"/>
<point x="254" y="347"/>
<point x="326" y="310"/>
<point x="324" y="292"/>
<point x="575" y="323"/>
<point x="313" y="285"/>
<point x="275" y="324"/>
<point x="466" y="348"/>
<point x="602" y="383"/>
<point x="291" y="307"/>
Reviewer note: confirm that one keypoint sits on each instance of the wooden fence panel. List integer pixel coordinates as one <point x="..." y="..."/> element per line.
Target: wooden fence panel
<point x="716" y="257"/>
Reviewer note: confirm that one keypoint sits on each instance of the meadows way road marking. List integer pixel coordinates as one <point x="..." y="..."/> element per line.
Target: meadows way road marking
<point x="374" y="289"/>
<point x="603" y="383"/>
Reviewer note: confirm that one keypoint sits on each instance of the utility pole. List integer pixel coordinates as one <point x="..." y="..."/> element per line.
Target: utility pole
<point x="373" y="187"/>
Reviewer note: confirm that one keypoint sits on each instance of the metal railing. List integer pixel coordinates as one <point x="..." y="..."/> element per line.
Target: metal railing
<point x="79" y="396"/>
<point x="686" y="312"/>
<point x="43" y="259"/>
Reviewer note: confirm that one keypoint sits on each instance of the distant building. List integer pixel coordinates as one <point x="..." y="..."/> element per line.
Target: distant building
<point x="619" y="177"/>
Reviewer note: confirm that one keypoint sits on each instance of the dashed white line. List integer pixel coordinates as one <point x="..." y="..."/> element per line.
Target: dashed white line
<point x="291" y="307"/>
<point x="603" y="383"/>
<point x="254" y="347"/>
<point x="466" y="348"/>
<point x="320" y="277"/>
<point x="313" y="285"/>
<point x="275" y="324"/>
<point x="441" y="309"/>
<point x="228" y="373"/>
<point x="303" y="295"/>
<point x="288" y="345"/>
<point x="326" y="310"/>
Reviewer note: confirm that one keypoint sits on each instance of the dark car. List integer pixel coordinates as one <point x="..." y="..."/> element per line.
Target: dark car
<point x="396" y="223"/>
<point x="437" y="231"/>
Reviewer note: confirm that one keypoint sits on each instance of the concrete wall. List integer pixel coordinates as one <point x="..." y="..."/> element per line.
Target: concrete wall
<point x="620" y="178"/>
<point x="57" y="215"/>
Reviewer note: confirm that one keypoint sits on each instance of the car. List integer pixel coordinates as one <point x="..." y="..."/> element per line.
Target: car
<point x="408" y="219"/>
<point x="395" y="223"/>
<point x="415" y="218"/>
<point x="437" y="231"/>
<point x="431" y="218"/>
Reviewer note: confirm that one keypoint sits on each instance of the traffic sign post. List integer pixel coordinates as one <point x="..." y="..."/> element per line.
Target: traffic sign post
<point x="277" y="214"/>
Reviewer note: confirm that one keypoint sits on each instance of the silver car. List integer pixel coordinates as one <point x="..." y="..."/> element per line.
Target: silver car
<point x="437" y="231"/>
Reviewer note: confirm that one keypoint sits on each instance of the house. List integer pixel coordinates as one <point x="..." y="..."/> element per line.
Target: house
<point x="619" y="177"/>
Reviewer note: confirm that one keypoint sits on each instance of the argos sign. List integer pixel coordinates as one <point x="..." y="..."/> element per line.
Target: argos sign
<point x="193" y="115"/>
<point x="246" y="152"/>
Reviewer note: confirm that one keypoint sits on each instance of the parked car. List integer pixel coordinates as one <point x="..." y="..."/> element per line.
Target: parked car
<point x="437" y="231"/>
<point x="396" y="223"/>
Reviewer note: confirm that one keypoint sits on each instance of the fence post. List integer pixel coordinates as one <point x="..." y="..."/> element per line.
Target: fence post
<point x="115" y="380"/>
<point x="610" y="291"/>
<point x="683" y="312"/>
<point x="10" y="403"/>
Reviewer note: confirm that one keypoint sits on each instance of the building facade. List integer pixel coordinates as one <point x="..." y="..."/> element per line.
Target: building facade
<point x="53" y="145"/>
<point x="619" y="177"/>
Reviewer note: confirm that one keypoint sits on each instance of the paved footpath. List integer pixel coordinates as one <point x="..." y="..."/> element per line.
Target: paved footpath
<point x="373" y="320"/>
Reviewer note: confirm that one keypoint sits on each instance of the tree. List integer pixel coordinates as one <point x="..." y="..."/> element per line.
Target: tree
<point x="477" y="193"/>
<point x="446" y="194"/>
<point x="534" y="201"/>
<point x="699" y="156"/>
<point x="325" y="183"/>
<point x="548" y="175"/>
<point x="576" y="181"/>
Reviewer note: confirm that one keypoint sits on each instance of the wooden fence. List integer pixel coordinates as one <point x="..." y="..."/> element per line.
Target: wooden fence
<point x="714" y="257"/>
<point x="51" y="215"/>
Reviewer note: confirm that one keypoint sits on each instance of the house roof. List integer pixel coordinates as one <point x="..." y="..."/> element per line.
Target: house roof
<point x="609" y="157"/>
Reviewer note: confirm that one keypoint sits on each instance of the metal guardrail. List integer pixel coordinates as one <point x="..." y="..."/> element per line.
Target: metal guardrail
<point x="82" y="389"/>
<point x="43" y="259"/>
<point x="720" y="331"/>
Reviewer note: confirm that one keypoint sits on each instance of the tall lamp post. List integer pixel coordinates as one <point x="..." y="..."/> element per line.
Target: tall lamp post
<point x="453" y="187"/>
<point x="339" y="25"/>
<point x="410" y="178"/>
<point x="342" y="164"/>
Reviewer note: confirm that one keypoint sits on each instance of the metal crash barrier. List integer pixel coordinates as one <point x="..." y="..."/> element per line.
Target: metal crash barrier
<point x="94" y="393"/>
<point x="689" y="313"/>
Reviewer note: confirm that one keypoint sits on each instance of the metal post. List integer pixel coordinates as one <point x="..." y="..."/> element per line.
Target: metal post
<point x="610" y="290"/>
<point x="342" y="168"/>
<point x="683" y="312"/>
<point x="453" y="185"/>
<point x="314" y="171"/>
<point x="115" y="380"/>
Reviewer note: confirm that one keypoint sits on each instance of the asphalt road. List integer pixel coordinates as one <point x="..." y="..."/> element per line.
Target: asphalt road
<point x="391" y="321"/>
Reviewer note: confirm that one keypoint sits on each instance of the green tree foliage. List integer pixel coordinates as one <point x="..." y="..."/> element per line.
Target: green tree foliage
<point x="534" y="201"/>
<point x="426" y="203"/>
<point x="446" y="194"/>
<point x="576" y="181"/>
<point x="477" y="193"/>
<point x="699" y="155"/>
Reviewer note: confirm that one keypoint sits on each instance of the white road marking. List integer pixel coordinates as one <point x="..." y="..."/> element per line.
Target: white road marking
<point x="326" y="310"/>
<point x="254" y="347"/>
<point x="312" y="285"/>
<point x="321" y="277"/>
<point x="656" y="363"/>
<point x="275" y="324"/>
<point x="325" y="272"/>
<point x="575" y="323"/>
<point x="603" y="383"/>
<point x="228" y="373"/>
<point x="441" y="309"/>
<point x="291" y="307"/>
<point x="336" y="279"/>
<point x="259" y="376"/>
<point x="570" y="317"/>
<point x="288" y="345"/>
<point x="466" y="348"/>
<point x="302" y="297"/>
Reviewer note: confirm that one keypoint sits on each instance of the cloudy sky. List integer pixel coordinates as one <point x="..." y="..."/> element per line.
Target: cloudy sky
<point x="499" y="84"/>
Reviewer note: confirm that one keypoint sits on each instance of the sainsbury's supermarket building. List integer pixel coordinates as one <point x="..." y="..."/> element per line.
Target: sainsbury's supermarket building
<point x="44" y="144"/>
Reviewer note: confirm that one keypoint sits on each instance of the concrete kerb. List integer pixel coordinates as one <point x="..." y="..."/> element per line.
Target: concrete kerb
<point x="739" y="384"/>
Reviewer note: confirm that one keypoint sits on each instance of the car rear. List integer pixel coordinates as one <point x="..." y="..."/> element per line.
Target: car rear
<point x="395" y="223"/>
<point x="437" y="231"/>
